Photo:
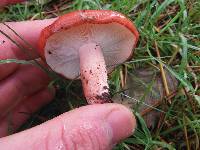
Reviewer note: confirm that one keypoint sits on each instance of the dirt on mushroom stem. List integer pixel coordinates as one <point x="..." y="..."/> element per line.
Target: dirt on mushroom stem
<point x="94" y="74"/>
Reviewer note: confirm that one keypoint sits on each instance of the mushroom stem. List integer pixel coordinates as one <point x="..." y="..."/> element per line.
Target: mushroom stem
<point x="94" y="74"/>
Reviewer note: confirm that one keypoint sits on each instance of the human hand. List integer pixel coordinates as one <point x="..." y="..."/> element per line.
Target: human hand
<point x="23" y="88"/>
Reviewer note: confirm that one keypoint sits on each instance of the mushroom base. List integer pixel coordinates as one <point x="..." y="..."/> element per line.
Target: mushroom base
<point x="94" y="74"/>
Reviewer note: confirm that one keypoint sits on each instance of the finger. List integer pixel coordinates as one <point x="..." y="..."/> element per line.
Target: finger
<point x="6" y="2"/>
<point x="27" y="80"/>
<point x="29" y="31"/>
<point x="91" y="127"/>
<point x="21" y="112"/>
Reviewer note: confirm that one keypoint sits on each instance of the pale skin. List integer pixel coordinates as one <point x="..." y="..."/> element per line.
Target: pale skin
<point x="93" y="127"/>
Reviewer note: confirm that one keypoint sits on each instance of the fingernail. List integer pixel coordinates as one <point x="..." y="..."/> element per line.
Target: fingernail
<point x="122" y="122"/>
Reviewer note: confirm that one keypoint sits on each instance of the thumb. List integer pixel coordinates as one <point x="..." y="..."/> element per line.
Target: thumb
<point x="90" y="127"/>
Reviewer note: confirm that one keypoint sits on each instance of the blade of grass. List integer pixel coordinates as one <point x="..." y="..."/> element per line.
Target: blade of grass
<point x="171" y="22"/>
<point x="160" y="9"/>
<point x="16" y="61"/>
<point x="184" y="52"/>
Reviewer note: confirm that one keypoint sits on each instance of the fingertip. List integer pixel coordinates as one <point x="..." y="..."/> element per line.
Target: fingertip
<point x="122" y="122"/>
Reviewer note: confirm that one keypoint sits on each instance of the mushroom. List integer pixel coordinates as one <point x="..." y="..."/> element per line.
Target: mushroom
<point x="88" y="43"/>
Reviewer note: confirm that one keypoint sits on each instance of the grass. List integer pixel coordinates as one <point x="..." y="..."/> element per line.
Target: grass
<point x="174" y="25"/>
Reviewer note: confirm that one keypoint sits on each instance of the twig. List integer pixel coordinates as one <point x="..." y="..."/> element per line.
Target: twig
<point x="185" y="133"/>
<point x="123" y="76"/>
<point x="176" y="48"/>
<point x="162" y="71"/>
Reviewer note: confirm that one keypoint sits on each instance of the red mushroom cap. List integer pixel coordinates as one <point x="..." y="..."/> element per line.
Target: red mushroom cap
<point x="79" y="27"/>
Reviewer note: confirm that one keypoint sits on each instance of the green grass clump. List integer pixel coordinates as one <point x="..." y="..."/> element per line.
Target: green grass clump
<point x="172" y="25"/>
